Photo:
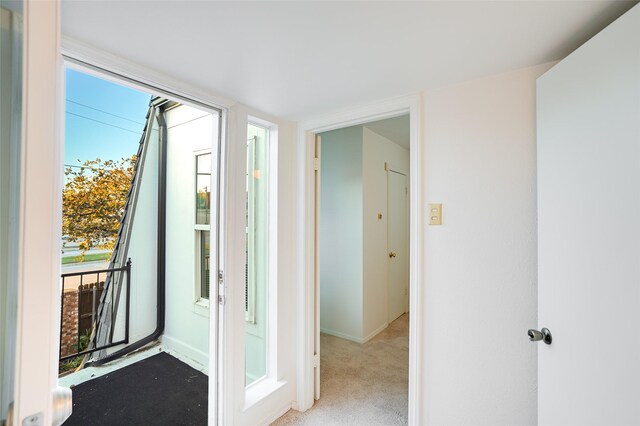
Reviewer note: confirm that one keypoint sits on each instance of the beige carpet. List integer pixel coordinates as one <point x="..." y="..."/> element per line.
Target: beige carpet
<point x="361" y="384"/>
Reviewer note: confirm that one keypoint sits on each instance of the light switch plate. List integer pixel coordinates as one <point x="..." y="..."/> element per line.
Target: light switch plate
<point x="435" y="214"/>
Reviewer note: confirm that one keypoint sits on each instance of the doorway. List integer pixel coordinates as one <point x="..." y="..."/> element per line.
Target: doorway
<point x="143" y="306"/>
<point x="362" y="270"/>
<point x="308" y="314"/>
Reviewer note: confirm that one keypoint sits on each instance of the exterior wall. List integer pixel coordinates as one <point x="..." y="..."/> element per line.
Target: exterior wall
<point x="341" y="228"/>
<point x="479" y="160"/>
<point x="69" y="335"/>
<point x="190" y="131"/>
<point x="377" y="151"/>
<point x="143" y="252"/>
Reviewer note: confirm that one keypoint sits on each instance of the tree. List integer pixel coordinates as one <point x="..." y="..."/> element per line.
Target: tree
<point x="93" y="201"/>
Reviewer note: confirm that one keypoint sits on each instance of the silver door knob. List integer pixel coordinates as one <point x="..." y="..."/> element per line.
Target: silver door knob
<point x="544" y="335"/>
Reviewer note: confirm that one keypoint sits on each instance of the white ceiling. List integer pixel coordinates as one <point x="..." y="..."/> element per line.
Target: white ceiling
<point x="395" y="129"/>
<point x="296" y="59"/>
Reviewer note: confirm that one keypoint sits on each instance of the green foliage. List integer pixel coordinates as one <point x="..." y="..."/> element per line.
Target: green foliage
<point x="75" y="362"/>
<point x="93" y="201"/>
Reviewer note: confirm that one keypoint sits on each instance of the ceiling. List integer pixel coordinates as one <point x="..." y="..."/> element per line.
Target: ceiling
<point x="297" y="59"/>
<point x="395" y="129"/>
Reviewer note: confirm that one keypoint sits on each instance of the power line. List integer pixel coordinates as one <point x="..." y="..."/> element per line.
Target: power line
<point x="102" y="122"/>
<point x="95" y="169"/>
<point x="103" y="111"/>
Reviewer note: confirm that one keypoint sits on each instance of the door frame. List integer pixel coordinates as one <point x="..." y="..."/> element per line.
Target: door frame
<point x="39" y="216"/>
<point x="390" y="168"/>
<point x="111" y="67"/>
<point x="305" y="313"/>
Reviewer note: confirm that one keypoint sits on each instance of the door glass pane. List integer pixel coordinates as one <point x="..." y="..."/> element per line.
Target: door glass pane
<point x="257" y="233"/>
<point x="10" y="136"/>
<point x="204" y="264"/>
<point x="203" y="189"/>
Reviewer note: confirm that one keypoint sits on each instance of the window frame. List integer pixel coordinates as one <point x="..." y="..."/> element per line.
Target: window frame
<point x="199" y="230"/>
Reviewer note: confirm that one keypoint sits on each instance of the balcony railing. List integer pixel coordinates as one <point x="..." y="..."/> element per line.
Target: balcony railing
<point x="83" y="293"/>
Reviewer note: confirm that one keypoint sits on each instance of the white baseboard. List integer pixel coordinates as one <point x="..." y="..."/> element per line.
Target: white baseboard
<point x="354" y="338"/>
<point x="186" y="353"/>
<point x="276" y="416"/>
<point x="375" y="332"/>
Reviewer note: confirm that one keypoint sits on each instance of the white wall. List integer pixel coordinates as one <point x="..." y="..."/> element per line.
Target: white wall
<point x="143" y="253"/>
<point x="378" y="150"/>
<point x="353" y="241"/>
<point x="341" y="230"/>
<point x="186" y="319"/>
<point x="480" y="297"/>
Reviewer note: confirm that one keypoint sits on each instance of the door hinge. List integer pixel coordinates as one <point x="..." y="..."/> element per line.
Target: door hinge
<point x="316" y="163"/>
<point x="316" y="360"/>
<point x="221" y="300"/>
<point x="220" y="277"/>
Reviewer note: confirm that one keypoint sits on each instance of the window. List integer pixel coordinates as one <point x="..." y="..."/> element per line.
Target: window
<point x="202" y="223"/>
<point x="257" y="252"/>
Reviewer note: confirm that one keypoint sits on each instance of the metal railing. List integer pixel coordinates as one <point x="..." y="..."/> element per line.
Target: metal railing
<point x="91" y="293"/>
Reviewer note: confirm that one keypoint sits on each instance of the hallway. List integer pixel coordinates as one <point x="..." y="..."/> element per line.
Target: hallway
<point x="361" y="384"/>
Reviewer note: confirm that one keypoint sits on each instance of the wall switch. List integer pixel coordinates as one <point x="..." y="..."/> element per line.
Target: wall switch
<point x="435" y="214"/>
<point x="379" y="216"/>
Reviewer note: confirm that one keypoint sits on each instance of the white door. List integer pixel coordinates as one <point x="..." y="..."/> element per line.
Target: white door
<point x="589" y="231"/>
<point x="397" y="244"/>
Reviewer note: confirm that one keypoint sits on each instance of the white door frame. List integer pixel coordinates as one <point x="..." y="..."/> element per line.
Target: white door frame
<point x="40" y="216"/>
<point x="306" y="240"/>
<point x="126" y="73"/>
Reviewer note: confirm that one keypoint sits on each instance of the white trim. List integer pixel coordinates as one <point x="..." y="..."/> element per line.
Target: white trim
<point x="40" y="214"/>
<point x="281" y="412"/>
<point x="185" y="353"/>
<point x="397" y="169"/>
<point x="163" y="84"/>
<point x="104" y="65"/>
<point x="305" y="244"/>
<point x="360" y="340"/>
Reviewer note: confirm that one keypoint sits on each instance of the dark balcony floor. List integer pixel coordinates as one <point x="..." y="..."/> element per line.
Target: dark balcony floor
<point x="160" y="390"/>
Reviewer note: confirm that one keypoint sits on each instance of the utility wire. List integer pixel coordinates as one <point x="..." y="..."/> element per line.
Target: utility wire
<point x="103" y="111"/>
<point x="95" y="169"/>
<point x="102" y="122"/>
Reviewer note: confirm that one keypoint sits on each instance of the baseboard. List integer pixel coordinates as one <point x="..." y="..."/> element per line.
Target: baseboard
<point x="186" y="353"/>
<point x="275" y="417"/>
<point x="341" y="335"/>
<point x="353" y="338"/>
<point x="375" y="332"/>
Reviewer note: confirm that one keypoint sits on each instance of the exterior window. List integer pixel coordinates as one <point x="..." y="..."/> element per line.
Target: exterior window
<point x="203" y="189"/>
<point x="202" y="224"/>
<point x="257" y="253"/>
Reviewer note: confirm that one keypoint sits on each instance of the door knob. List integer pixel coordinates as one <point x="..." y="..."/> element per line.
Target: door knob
<point x="544" y="335"/>
<point x="392" y="254"/>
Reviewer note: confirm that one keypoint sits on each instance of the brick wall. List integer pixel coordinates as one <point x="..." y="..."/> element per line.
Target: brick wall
<point x="69" y="338"/>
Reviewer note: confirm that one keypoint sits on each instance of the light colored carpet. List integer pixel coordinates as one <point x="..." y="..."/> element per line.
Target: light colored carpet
<point x="361" y="384"/>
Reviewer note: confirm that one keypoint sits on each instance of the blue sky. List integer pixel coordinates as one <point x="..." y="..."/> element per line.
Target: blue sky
<point x="102" y="119"/>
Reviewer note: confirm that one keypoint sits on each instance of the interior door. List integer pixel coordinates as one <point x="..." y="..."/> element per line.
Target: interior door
<point x="397" y="244"/>
<point x="589" y="231"/>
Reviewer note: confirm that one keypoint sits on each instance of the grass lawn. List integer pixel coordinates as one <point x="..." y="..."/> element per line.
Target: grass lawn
<point x="91" y="257"/>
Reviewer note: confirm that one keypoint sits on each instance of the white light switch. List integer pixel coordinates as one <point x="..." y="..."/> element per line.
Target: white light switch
<point x="435" y="214"/>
